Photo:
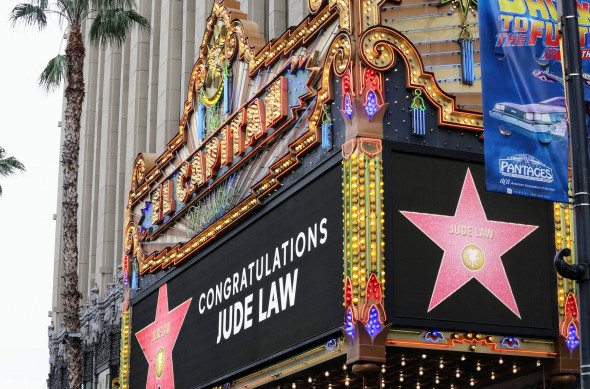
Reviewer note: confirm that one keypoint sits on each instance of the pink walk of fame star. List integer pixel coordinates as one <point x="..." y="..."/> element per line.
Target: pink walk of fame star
<point x="157" y="341"/>
<point x="472" y="247"/>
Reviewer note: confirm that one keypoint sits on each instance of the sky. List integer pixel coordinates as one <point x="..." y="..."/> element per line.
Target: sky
<point x="28" y="131"/>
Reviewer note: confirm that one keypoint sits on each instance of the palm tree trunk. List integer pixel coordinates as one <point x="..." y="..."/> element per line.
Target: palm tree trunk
<point x="74" y="93"/>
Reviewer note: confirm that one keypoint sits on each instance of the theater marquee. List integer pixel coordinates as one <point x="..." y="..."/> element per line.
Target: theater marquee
<point x="278" y="276"/>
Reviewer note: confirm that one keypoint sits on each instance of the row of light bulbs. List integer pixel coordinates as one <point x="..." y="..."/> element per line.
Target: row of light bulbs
<point x="421" y="372"/>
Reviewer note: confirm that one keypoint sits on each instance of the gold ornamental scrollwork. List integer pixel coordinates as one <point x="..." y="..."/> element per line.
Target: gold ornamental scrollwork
<point x="315" y="5"/>
<point x="132" y="242"/>
<point x="371" y="13"/>
<point x="338" y="59"/>
<point x="344" y="10"/>
<point x="379" y="47"/>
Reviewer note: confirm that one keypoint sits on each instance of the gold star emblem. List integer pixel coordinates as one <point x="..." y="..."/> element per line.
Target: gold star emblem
<point x="472" y="257"/>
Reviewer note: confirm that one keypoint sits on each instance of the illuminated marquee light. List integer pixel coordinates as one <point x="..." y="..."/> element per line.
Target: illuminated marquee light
<point x="337" y="59"/>
<point x="347" y="106"/>
<point x="378" y="48"/>
<point x="371" y="105"/>
<point x="564" y="236"/>
<point x="510" y="342"/>
<point x="373" y="326"/>
<point x="349" y="323"/>
<point x="418" y="109"/>
<point x="364" y="246"/>
<point x="236" y="44"/>
<point x="256" y="122"/>
<point x="124" y="363"/>
<point x="182" y="181"/>
<point x="473" y="341"/>
<point x="125" y="266"/>
<point x="276" y="103"/>
<point x="347" y="92"/>
<point x="569" y="325"/>
<point x="331" y="345"/>
<point x="434" y="336"/>
<point x="344" y="12"/>
<point x="571" y="306"/>
<point x="573" y="340"/>
<point x="292" y="39"/>
<point x="371" y="80"/>
<point x="176" y="254"/>
<point x="156" y="205"/>
<point x="132" y="242"/>
<point x="247" y="128"/>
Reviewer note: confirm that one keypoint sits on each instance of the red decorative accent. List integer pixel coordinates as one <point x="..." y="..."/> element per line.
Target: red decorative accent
<point x="571" y="306"/>
<point x="373" y="298"/>
<point x="347" y="83"/>
<point x="371" y="80"/>
<point x="157" y="341"/>
<point x="571" y="314"/>
<point x="451" y="342"/>
<point x="348" y="292"/>
<point x="373" y="289"/>
<point x="125" y="270"/>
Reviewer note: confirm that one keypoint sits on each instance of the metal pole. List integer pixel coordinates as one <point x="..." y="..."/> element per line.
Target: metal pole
<point x="580" y="168"/>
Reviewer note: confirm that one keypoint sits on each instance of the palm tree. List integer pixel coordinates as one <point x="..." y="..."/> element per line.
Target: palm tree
<point x="8" y="165"/>
<point x="110" y="20"/>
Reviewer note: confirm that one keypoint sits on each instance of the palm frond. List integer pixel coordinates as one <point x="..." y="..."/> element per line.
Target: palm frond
<point x="54" y="73"/>
<point x="74" y="10"/>
<point x="111" y="25"/>
<point x="30" y="14"/>
<point x="9" y="165"/>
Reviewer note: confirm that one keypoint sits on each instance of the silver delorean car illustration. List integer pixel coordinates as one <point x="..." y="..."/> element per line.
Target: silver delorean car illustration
<point x="544" y="121"/>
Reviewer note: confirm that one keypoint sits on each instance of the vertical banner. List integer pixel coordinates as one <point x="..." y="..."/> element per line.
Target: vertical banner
<point x="525" y="118"/>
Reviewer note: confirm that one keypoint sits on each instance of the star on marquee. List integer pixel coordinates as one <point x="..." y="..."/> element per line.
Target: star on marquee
<point x="157" y="341"/>
<point x="472" y="247"/>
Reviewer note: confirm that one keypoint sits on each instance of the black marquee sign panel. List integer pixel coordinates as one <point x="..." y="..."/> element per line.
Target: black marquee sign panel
<point x="461" y="258"/>
<point x="273" y="285"/>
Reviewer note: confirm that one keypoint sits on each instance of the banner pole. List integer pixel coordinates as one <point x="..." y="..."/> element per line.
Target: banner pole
<point x="580" y="161"/>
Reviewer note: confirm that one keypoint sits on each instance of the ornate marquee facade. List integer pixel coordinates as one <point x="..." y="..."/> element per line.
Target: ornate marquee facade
<point x="320" y="219"/>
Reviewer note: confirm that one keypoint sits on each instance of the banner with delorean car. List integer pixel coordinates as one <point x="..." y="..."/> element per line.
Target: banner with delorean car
<point x="525" y="118"/>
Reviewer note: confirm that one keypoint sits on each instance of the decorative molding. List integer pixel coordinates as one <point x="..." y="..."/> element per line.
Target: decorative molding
<point x="100" y="321"/>
<point x="379" y="46"/>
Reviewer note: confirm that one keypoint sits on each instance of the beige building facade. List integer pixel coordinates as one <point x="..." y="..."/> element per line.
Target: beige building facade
<point x="134" y="99"/>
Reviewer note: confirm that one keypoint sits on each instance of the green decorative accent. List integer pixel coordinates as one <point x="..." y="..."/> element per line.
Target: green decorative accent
<point x="326" y="115"/>
<point x="211" y="119"/>
<point x="465" y="34"/>
<point x="418" y="101"/>
<point x="368" y="221"/>
<point x="344" y="213"/>
<point x="406" y="331"/>
<point x="226" y="70"/>
<point x="379" y="208"/>
<point x="538" y="341"/>
<point x="212" y="207"/>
